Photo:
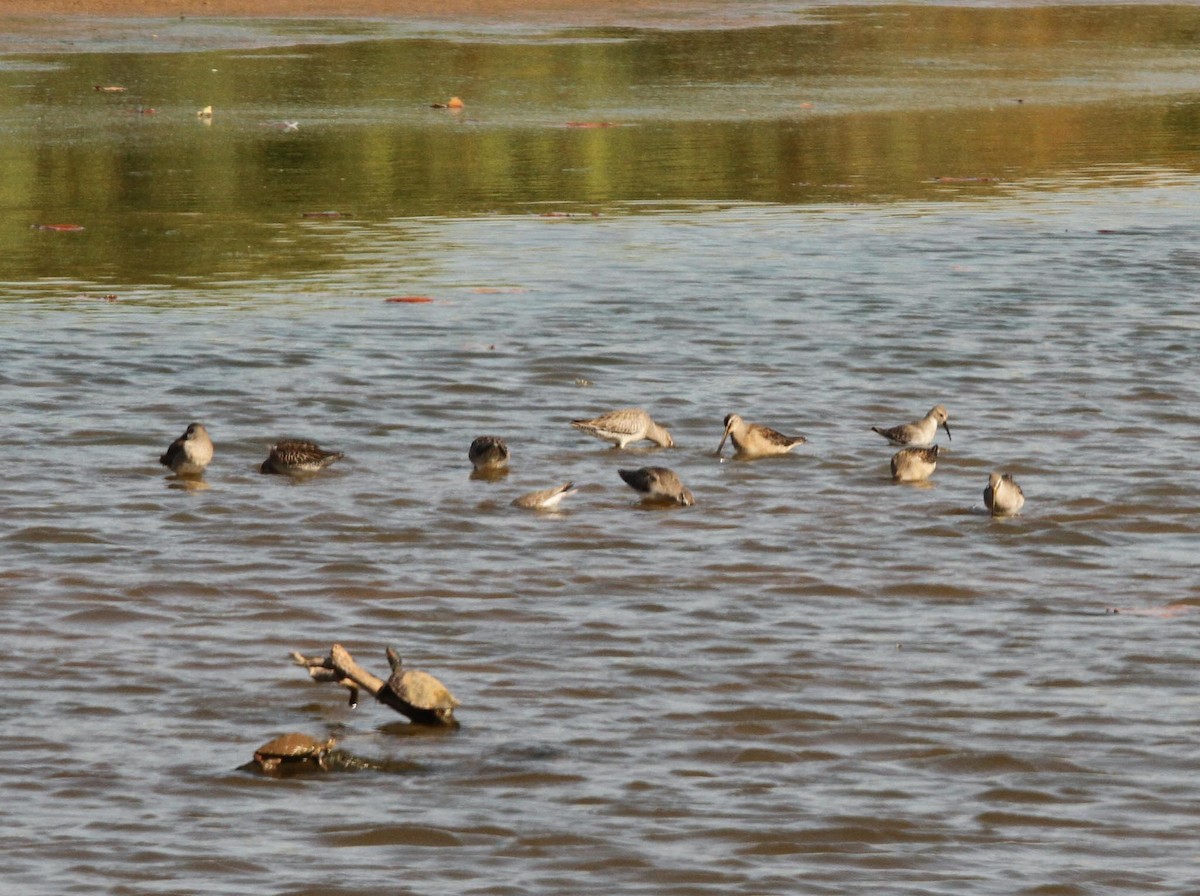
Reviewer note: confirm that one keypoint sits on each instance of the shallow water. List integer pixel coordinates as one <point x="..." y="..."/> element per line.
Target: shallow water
<point x="812" y="681"/>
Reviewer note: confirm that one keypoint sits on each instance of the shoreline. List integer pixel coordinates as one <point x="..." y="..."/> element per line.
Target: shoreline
<point x="270" y="9"/>
<point x="565" y="11"/>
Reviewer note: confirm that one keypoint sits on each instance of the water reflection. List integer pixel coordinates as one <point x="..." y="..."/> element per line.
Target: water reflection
<point x="859" y="105"/>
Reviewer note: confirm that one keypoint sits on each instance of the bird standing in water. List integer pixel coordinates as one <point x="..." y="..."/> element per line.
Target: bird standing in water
<point x="625" y="426"/>
<point x="189" y="454"/>
<point x="919" y="433"/>
<point x="755" y="440"/>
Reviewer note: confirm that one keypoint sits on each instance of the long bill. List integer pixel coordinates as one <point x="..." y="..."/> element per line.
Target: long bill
<point x="724" y="436"/>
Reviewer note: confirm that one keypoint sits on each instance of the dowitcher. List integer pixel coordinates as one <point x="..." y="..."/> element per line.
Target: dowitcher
<point x="919" y="433"/>
<point x="756" y="440"/>
<point x="189" y="454"/>
<point x="1003" y="496"/>
<point x="658" y="484"/>
<point x="547" y="498"/>
<point x="294" y="457"/>
<point x="488" y="454"/>
<point x="625" y="426"/>
<point x="914" y="464"/>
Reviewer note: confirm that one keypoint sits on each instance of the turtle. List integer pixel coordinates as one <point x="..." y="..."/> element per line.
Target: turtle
<point x="294" y="752"/>
<point x="419" y="695"/>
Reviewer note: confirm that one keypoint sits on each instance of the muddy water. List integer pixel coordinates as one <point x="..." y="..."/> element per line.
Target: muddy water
<point x="812" y="681"/>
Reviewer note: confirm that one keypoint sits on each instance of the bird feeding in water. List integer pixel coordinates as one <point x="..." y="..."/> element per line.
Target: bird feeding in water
<point x="488" y="455"/>
<point x="755" y="440"/>
<point x="658" y="484"/>
<point x="624" y="427"/>
<point x="1002" y="495"/>
<point x="919" y="433"/>
<point x="547" y="498"/>
<point x="295" y="457"/>
<point x="914" y="464"/>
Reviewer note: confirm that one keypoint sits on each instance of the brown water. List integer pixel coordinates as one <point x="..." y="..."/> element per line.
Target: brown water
<point x="813" y="681"/>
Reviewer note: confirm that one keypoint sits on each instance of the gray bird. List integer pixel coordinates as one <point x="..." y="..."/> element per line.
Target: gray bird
<point x="547" y="498"/>
<point x="1003" y="496"/>
<point x="914" y="464"/>
<point x="189" y="454"/>
<point x="488" y="454"/>
<point x="658" y="484"/>
<point x="919" y="433"/>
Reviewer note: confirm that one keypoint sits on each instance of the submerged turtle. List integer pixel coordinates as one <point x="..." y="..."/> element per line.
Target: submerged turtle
<point x="419" y="695"/>
<point x="294" y="752"/>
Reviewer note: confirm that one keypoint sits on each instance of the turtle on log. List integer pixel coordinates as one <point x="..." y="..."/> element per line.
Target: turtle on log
<point x="423" y="698"/>
<point x="415" y="694"/>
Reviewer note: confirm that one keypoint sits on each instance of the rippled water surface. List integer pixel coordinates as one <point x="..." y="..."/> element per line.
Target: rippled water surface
<point x="812" y="681"/>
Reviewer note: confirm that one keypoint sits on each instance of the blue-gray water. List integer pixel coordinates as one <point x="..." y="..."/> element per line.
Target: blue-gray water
<point x="814" y="680"/>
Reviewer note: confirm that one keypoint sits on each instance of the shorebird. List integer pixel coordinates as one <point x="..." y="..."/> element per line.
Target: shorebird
<point x="658" y="484"/>
<point x="914" y="464"/>
<point x="488" y="454"/>
<point x="1003" y="496"/>
<point x="547" y="498"/>
<point x="919" y="433"/>
<point x="189" y="454"/>
<point x="625" y="426"/>
<point x="293" y="457"/>
<point x="756" y="440"/>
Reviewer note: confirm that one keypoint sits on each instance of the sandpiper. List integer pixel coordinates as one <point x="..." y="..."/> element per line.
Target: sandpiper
<point x="625" y="426"/>
<point x="294" y="457"/>
<point x="914" y="464"/>
<point x="919" y="433"/>
<point x="547" y="498"/>
<point x="658" y="484"/>
<point x="1003" y="496"/>
<point x="755" y="440"/>
<point x="189" y="454"/>
<point x="488" y="454"/>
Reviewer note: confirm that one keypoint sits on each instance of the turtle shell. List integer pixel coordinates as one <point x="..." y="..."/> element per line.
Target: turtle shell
<point x="421" y="690"/>
<point x="293" y="746"/>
